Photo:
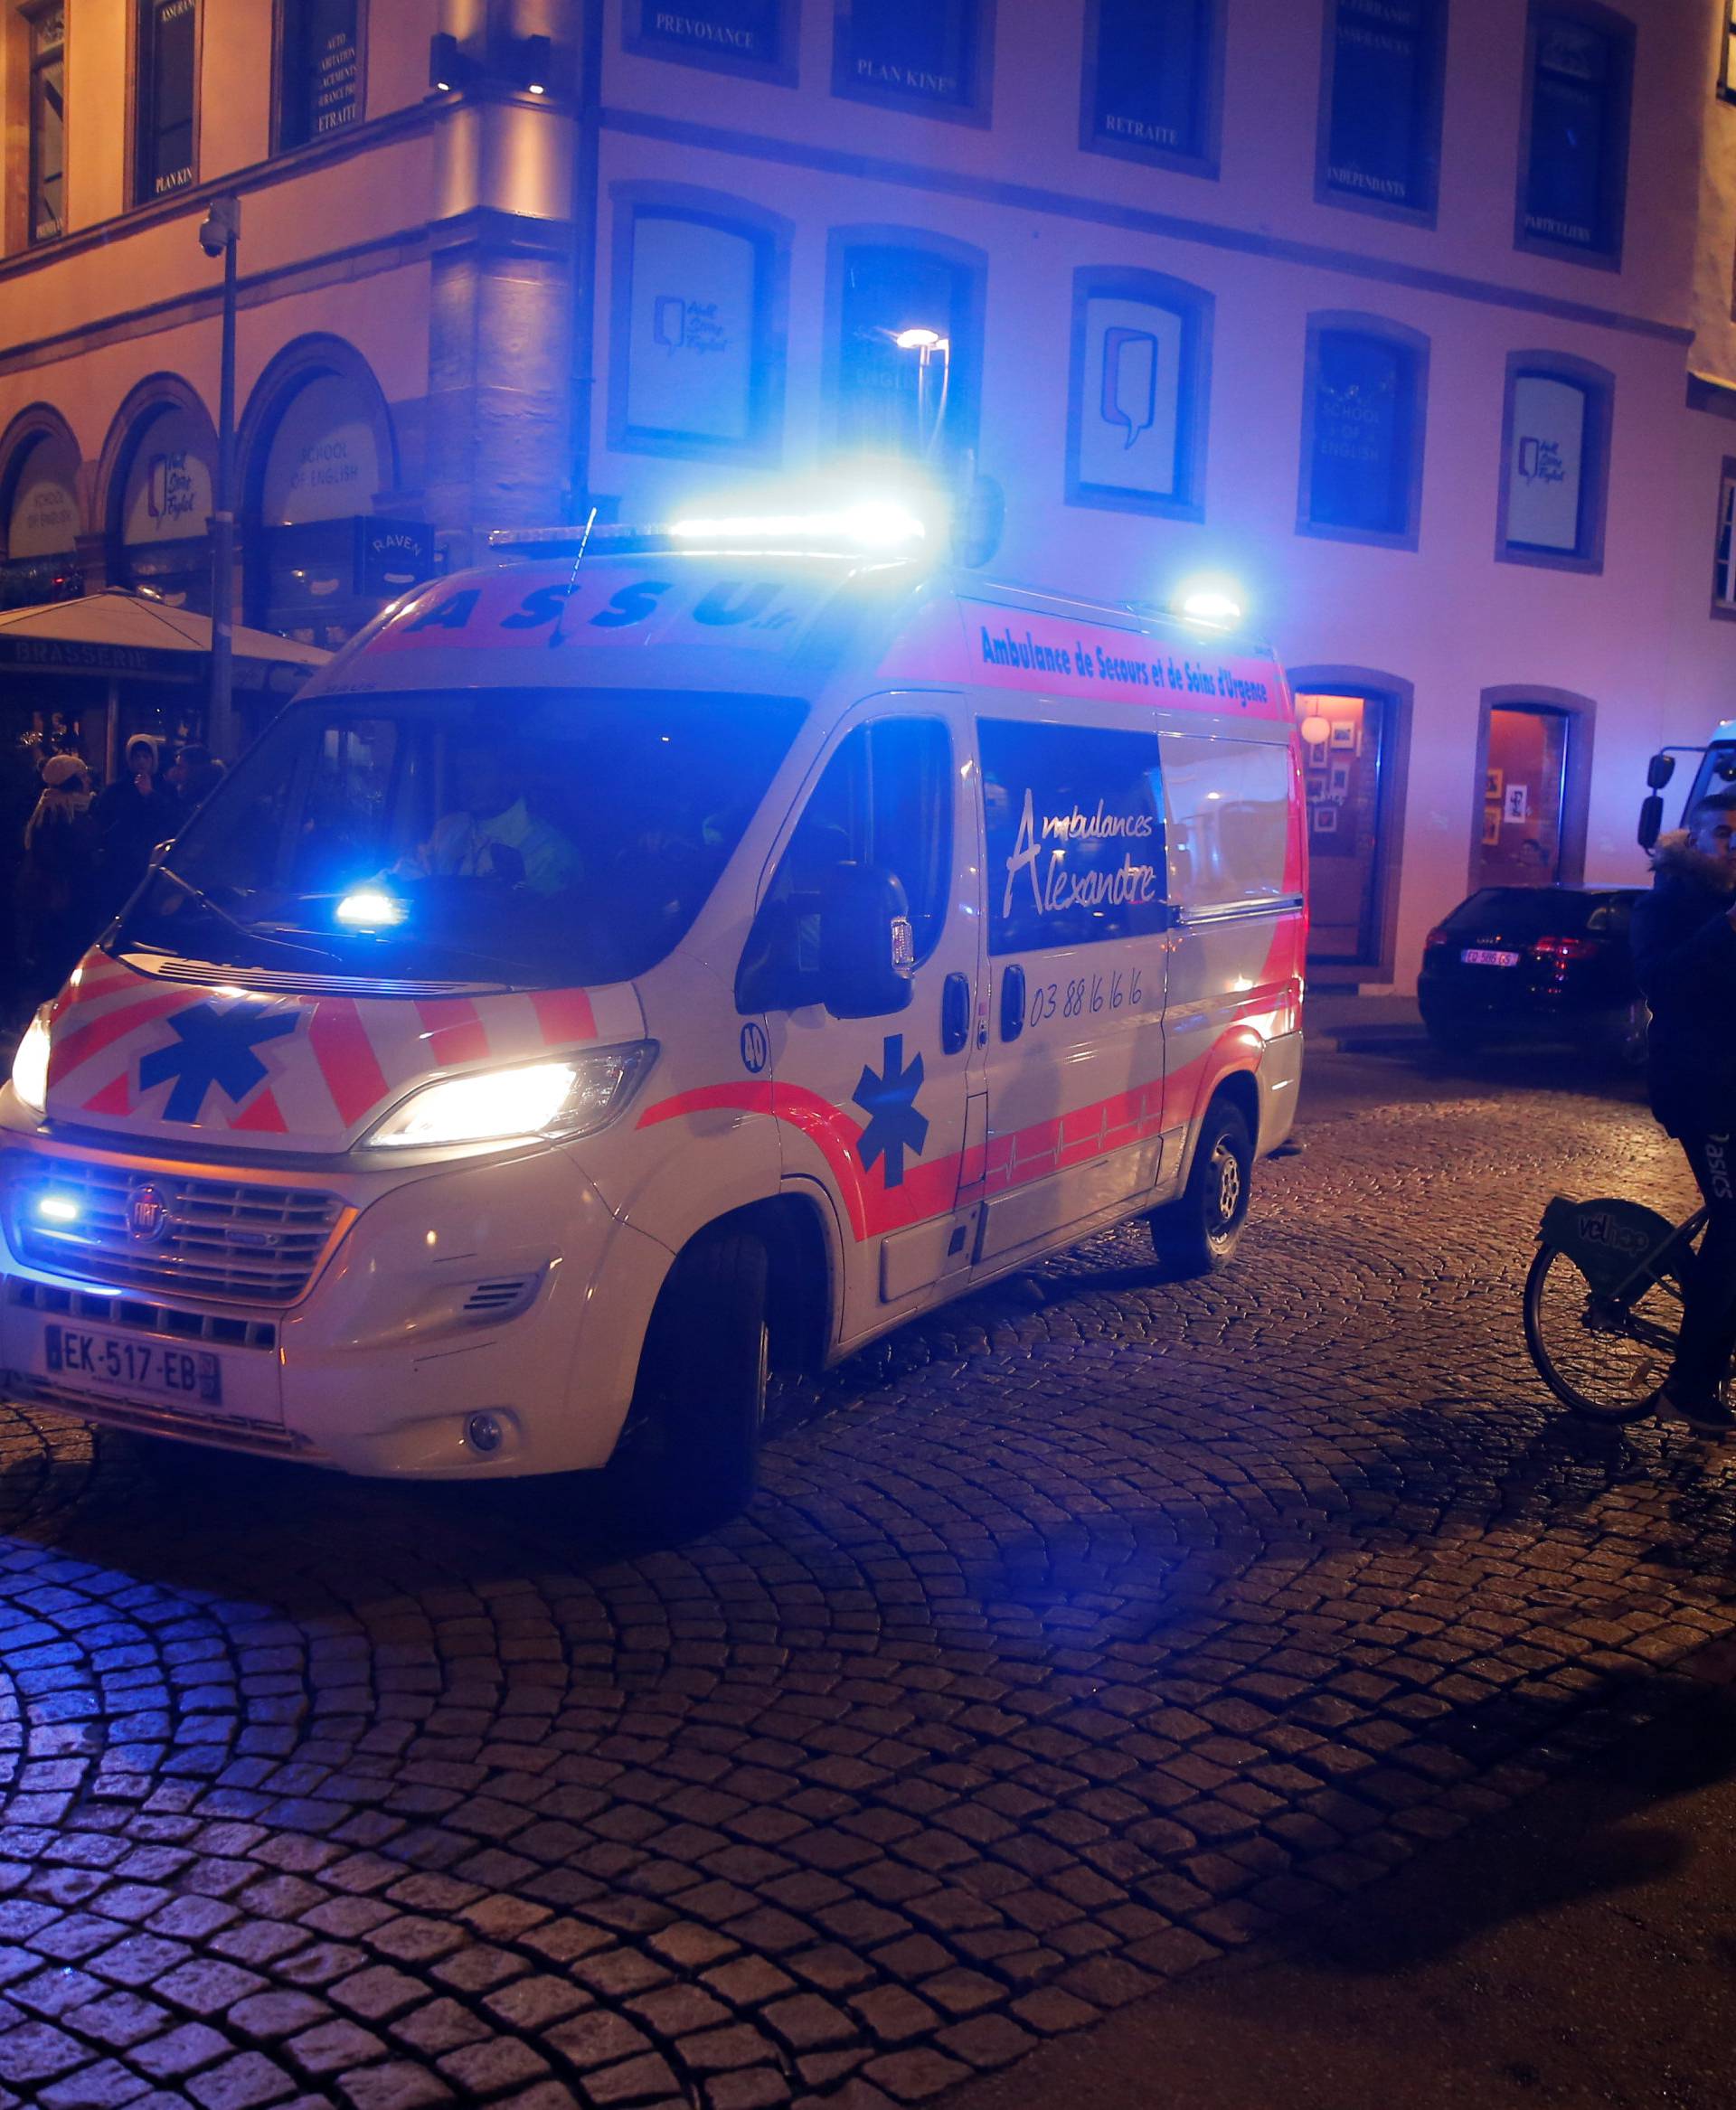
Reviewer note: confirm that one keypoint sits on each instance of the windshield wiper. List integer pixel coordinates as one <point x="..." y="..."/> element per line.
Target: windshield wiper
<point x="250" y="931"/>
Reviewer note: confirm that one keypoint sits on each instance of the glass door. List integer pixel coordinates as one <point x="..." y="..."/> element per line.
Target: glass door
<point x="1342" y="778"/>
<point x="1524" y="782"/>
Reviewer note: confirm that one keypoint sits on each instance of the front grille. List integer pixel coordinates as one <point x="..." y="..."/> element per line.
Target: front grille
<point x="220" y="1237"/>
<point x="103" y="1308"/>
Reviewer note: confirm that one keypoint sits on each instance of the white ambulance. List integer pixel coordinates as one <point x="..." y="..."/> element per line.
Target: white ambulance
<point x="612" y="978"/>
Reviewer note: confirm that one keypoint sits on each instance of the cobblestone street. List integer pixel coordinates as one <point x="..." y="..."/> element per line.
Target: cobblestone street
<point x="1082" y="1632"/>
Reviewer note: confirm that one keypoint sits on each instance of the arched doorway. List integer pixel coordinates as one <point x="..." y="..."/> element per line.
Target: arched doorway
<point x="1354" y="772"/>
<point x="1534" y="760"/>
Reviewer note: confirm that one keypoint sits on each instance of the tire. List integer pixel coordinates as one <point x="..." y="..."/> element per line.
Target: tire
<point x="688" y="1457"/>
<point x="1605" y="1365"/>
<point x="1623" y="1037"/>
<point x="1198" y="1234"/>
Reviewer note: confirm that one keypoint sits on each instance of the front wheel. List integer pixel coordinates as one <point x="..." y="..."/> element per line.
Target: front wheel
<point x="689" y="1454"/>
<point x="1198" y="1234"/>
<point x="1604" y="1360"/>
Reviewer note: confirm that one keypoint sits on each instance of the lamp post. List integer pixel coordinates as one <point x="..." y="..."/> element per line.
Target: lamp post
<point x="929" y="346"/>
<point x="218" y="237"/>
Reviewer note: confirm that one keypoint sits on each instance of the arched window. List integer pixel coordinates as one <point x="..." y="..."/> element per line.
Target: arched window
<point x="1363" y="428"/>
<point x="1574" y="156"/>
<point x="319" y="557"/>
<point x="1141" y="359"/>
<point x="1555" y="461"/>
<point x="697" y="357"/>
<point x="40" y="515"/>
<point x="905" y="344"/>
<point x="161" y="467"/>
<point x="1153" y="81"/>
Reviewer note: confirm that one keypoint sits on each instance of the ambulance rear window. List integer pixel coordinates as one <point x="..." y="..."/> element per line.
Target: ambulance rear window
<point x="533" y="837"/>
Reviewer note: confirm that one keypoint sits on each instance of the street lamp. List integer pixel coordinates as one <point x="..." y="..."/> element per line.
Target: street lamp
<point x="218" y="237"/>
<point x="929" y="346"/>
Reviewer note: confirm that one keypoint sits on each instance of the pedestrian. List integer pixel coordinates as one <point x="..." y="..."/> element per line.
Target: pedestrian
<point x="57" y="886"/>
<point x="1685" y="952"/>
<point x="133" y="816"/>
<point x="195" y="774"/>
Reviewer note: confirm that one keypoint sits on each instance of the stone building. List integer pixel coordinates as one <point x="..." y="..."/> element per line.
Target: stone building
<point x="1412" y="317"/>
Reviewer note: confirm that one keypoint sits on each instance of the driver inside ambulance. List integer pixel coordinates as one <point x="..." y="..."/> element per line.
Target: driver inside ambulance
<point x="492" y="834"/>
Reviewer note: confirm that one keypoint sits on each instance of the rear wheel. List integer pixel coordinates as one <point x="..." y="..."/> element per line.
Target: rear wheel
<point x="689" y="1454"/>
<point x="1624" y="1035"/>
<point x="1602" y="1359"/>
<point x="1198" y="1234"/>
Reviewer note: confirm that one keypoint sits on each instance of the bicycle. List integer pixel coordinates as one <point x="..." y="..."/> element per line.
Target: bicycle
<point x="1603" y="1303"/>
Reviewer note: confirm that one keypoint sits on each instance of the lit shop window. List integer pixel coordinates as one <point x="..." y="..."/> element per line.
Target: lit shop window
<point x="738" y="36"/>
<point x="906" y="369"/>
<point x="1151" y="81"/>
<point x="695" y="369"/>
<point x="166" y="97"/>
<point x="1556" y="447"/>
<point x="918" y="54"/>
<point x="47" y="205"/>
<point x="1136" y="424"/>
<point x="1362" y="460"/>
<point x="319" y="69"/>
<point x="1574" y="169"/>
<point x="1380" y="134"/>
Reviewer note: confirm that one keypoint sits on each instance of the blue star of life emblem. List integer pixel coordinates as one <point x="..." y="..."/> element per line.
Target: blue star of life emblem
<point x="212" y="1048"/>
<point x="888" y="1100"/>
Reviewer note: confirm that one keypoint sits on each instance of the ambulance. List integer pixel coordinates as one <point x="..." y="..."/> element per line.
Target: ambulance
<point x="631" y="970"/>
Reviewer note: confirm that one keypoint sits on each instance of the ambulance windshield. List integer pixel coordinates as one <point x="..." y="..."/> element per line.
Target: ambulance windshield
<point x="535" y="837"/>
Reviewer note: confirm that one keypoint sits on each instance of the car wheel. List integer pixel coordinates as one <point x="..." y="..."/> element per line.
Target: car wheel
<point x="688" y="1457"/>
<point x="1626" y="1034"/>
<point x="1199" y="1233"/>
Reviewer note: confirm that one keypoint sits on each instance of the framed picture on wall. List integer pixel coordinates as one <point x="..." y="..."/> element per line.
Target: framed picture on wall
<point x="1325" y="819"/>
<point x="1317" y="753"/>
<point x="1491" y="826"/>
<point x="1493" y="782"/>
<point x="1515" y="804"/>
<point x="1338" y="784"/>
<point x="1317" y="789"/>
<point x="1343" y="734"/>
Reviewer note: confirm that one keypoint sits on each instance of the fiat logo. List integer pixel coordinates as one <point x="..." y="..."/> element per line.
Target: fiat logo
<point x="147" y="1215"/>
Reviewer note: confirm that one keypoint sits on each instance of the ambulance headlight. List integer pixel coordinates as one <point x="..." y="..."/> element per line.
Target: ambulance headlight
<point x="563" y="1096"/>
<point x="30" y="1066"/>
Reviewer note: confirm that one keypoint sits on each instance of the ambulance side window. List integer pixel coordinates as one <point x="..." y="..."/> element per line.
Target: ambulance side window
<point x="883" y="801"/>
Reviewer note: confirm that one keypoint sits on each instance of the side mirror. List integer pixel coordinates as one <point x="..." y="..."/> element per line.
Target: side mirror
<point x="1651" y="820"/>
<point x="867" y="947"/>
<point x="1658" y="771"/>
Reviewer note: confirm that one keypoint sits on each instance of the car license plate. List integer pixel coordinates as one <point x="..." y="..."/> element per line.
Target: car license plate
<point x="113" y="1362"/>
<point x="1479" y="955"/>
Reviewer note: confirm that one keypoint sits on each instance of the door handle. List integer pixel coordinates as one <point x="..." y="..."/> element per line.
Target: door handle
<point x="954" y="1013"/>
<point x="1012" y="1003"/>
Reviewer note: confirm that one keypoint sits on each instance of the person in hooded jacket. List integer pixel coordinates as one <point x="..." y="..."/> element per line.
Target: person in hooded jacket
<point x="57" y="887"/>
<point x="1683" y="940"/>
<point x="133" y="816"/>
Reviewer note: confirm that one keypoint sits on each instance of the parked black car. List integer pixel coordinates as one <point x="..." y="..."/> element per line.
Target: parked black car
<point x="1536" y="964"/>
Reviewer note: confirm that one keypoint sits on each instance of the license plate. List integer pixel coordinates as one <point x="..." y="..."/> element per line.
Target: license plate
<point x="115" y="1362"/>
<point x="1479" y="955"/>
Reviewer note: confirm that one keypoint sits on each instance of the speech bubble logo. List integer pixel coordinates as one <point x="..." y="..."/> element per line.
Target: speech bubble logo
<point x="1129" y="381"/>
<point x="669" y="322"/>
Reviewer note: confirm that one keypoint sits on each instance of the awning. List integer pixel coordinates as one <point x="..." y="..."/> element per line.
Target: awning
<point x="119" y="633"/>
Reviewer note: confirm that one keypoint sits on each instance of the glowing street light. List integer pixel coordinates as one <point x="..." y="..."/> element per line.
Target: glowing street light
<point x="929" y="346"/>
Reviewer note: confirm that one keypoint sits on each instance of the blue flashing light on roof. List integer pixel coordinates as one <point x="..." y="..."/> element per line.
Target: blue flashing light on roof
<point x="871" y="524"/>
<point x="1215" y="604"/>
<point x="370" y="908"/>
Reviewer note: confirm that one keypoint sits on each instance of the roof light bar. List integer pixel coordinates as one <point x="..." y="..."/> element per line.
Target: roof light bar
<point x="874" y="524"/>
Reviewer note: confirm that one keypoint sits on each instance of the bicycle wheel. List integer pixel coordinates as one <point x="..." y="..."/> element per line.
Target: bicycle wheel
<point x="1603" y="1359"/>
